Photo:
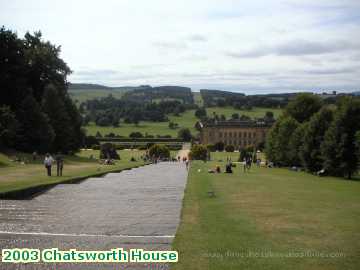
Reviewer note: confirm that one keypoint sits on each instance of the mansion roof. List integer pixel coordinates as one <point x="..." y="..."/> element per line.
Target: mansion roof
<point x="239" y="123"/>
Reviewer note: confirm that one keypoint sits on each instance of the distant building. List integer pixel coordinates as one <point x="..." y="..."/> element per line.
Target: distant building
<point x="239" y="133"/>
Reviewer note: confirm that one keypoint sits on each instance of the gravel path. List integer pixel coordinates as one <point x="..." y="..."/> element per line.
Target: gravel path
<point x="139" y="208"/>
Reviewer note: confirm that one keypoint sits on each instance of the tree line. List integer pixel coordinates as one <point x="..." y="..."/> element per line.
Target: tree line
<point x="317" y="136"/>
<point x="108" y="111"/>
<point x="36" y="112"/>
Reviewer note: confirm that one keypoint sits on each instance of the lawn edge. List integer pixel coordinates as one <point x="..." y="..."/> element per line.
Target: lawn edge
<point x="30" y="191"/>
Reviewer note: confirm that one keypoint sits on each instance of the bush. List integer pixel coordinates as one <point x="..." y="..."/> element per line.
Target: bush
<point x="198" y="152"/>
<point x="185" y="134"/>
<point x="142" y="147"/>
<point x="159" y="151"/>
<point x="229" y="148"/>
<point x="219" y="146"/>
<point x="95" y="147"/>
<point x="119" y="147"/>
<point x="90" y="141"/>
<point x="136" y="135"/>
<point x="211" y="147"/>
<point x="108" y="150"/>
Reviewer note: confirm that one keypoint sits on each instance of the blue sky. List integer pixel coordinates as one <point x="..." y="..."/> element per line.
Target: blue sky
<point x="246" y="46"/>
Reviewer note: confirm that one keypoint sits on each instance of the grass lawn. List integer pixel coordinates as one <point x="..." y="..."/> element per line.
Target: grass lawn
<point x="15" y="176"/>
<point x="186" y="120"/>
<point x="267" y="219"/>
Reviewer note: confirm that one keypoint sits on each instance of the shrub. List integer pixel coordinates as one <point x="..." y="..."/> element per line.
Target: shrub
<point x="211" y="147"/>
<point x="142" y="147"/>
<point x="219" y="146"/>
<point x="108" y="150"/>
<point x="95" y="147"/>
<point x="198" y="152"/>
<point x="159" y="151"/>
<point x="119" y="147"/>
<point x="136" y="135"/>
<point x="185" y="134"/>
<point x="229" y="148"/>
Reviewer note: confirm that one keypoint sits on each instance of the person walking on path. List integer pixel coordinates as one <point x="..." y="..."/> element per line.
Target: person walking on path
<point x="59" y="164"/>
<point x="48" y="163"/>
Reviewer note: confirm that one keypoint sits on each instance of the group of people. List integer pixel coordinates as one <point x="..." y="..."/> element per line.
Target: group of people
<point x="49" y="161"/>
<point x="184" y="160"/>
<point x="247" y="161"/>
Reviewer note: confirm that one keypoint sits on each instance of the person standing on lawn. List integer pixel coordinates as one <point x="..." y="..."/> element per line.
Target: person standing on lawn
<point x="59" y="164"/>
<point x="48" y="163"/>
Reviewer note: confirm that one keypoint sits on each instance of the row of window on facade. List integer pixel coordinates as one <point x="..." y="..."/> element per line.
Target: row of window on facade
<point x="240" y="143"/>
<point x="235" y="134"/>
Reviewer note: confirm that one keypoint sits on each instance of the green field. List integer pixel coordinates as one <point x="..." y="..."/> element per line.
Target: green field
<point x="267" y="219"/>
<point x="15" y="175"/>
<point x="186" y="120"/>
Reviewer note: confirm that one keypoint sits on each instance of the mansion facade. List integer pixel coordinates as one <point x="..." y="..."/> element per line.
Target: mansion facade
<point x="238" y="133"/>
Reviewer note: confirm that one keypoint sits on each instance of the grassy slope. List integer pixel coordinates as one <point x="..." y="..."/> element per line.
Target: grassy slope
<point x="267" y="210"/>
<point x="14" y="176"/>
<point x="187" y="120"/>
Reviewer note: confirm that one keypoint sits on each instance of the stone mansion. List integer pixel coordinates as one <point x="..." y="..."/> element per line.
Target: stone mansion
<point x="238" y="133"/>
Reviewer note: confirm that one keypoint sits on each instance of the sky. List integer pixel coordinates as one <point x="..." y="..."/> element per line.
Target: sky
<point x="257" y="46"/>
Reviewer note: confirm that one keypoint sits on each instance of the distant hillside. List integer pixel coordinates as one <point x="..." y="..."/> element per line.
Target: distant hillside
<point x="91" y="86"/>
<point x="87" y="86"/>
<point x="149" y="94"/>
<point x="356" y="93"/>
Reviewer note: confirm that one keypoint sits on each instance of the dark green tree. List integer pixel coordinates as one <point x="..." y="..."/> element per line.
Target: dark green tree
<point x="35" y="132"/>
<point x="338" y="147"/>
<point x="314" y="131"/>
<point x="295" y="145"/>
<point x="303" y="107"/>
<point x="200" y="113"/>
<point x="8" y="127"/>
<point x="278" y="148"/>
<point x="54" y="106"/>
<point x="159" y="151"/>
<point x="44" y="65"/>
<point x="185" y="134"/>
<point x="13" y="70"/>
<point x="198" y="152"/>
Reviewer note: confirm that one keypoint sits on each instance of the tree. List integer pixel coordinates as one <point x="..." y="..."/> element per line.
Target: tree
<point x="35" y="132"/>
<point x="314" y="131"/>
<point x="357" y="146"/>
<point x="269" y="115"/>
<point x="219" y="146"/>
<point x="8" y="126"/>
<point x="295" y="145"/>
<point x="200" y="113"/>
<point x="13" y="70"/>
<point x="235" y="116"/>
<point x="44" y="65"/>
<point x="338" y="147"/>
<point x="90" y="141"/>
<point x="173" y="125"/>
<point x="136" y="134"/>
<point x="54" y="106"/>
<point x="108" y="151"/>
<point x="198" y="152"/>
<point x="303" y="107"/>
<point x="159" y="151"/>
<point x="229" y="148"/>
<point x="277" y="147"/>
<point x="185" y="134"/>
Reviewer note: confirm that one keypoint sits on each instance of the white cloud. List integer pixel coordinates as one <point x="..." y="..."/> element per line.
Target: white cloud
<point x="189" y="42"/>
